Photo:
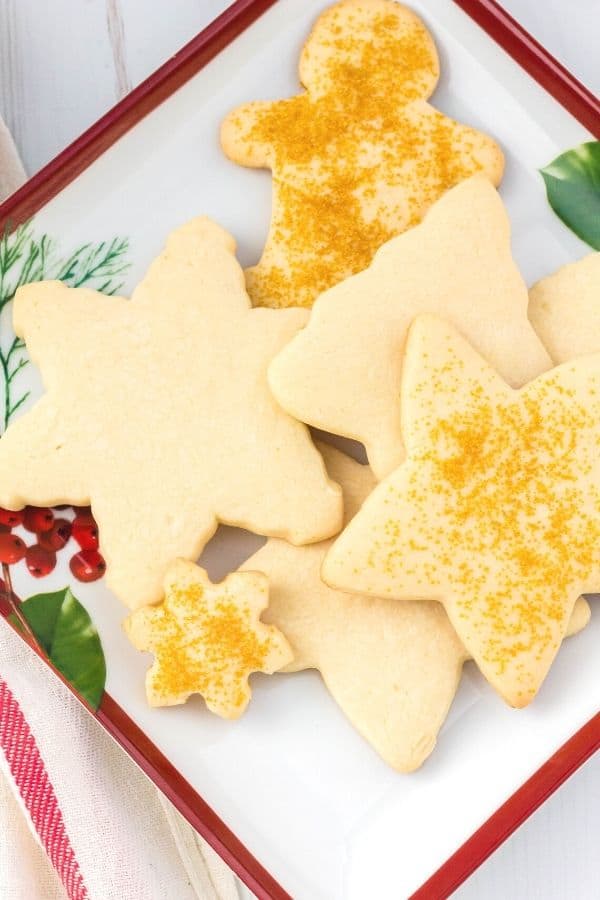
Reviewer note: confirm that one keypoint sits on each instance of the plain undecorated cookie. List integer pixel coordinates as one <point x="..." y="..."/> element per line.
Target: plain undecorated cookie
<point x="393" y="667"/>
<point x="564" y="309"/>
<point x="343" y="372"/>
<point x="157" y="412"/>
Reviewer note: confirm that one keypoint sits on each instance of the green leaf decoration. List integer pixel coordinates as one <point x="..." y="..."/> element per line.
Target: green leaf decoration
<point x="25" y="258"/>
<point x="573" y="189"/>
<point x="66" y="634"/>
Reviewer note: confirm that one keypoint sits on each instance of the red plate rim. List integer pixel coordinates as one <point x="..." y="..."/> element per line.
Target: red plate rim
<point x="63" y="169"/>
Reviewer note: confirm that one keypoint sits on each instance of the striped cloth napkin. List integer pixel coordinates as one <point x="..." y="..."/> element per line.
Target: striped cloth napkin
<point x="78" y="819"/>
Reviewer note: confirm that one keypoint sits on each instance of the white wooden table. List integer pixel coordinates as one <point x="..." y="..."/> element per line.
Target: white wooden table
<point x="65" y="62"/>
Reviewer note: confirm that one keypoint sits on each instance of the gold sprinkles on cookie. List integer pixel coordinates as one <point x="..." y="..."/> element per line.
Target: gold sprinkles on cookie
<point x="496" y="512"/>
<point x="207" y="639"/>
<point x="358" y="157"/>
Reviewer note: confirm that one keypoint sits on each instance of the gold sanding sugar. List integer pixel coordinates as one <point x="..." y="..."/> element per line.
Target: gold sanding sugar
<point x="508" y="478"/>
<point x="208" y="651"/>
<point x="357" y="159"/>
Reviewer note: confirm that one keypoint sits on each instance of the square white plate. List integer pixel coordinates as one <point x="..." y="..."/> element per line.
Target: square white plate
<point x="298" y="786"/>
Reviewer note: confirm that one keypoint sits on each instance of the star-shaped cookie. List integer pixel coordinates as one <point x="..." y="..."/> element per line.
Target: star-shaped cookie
<point x="496" y="511"/>
<point x="207" y="639"/>
<point x="564" y="309"/>
<point x="392" y="667"/>
<point x="342" y="373"/>
<point x="356" y="158"/>
<point x="158" y="413"/>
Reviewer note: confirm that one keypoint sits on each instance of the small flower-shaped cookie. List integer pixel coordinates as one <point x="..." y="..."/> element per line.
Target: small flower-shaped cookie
<point x="207" y="639"/>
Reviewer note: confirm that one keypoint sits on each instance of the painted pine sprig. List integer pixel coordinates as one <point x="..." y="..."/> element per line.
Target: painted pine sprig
<point x="25" y="258"/>
<point x="98" y="265"/>
<point x="11" y="363"/>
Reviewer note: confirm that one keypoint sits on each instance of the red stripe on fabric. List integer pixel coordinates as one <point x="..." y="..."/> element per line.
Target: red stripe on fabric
<point x="28" y="770"/>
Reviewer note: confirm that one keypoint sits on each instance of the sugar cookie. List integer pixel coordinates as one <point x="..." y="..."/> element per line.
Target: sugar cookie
<point x="356" y="158"/>
<point x="496" y="511"/>
<point x="342" y="373"/>
<point x="207" y="639"/>
<point x="564" y="309"/>
<point x="392" y="667"/>
<point x="158" y="412"/>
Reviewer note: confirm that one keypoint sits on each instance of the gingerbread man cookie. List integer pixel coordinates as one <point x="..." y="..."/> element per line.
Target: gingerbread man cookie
<point x="359" y="156"/>
<point x="158" y="413"/>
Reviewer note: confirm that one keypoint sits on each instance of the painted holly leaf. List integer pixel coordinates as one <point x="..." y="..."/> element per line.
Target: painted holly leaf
<point x="65" y="632"/>
<point x="573" y="188"/>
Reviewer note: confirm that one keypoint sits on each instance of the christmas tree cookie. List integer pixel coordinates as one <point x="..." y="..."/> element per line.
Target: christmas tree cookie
<point x="359" y="156"/>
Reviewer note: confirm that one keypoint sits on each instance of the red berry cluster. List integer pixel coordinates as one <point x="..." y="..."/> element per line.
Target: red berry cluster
<point x="51" y="536"/>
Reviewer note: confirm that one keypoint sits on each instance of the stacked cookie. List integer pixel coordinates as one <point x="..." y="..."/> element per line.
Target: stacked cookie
<point x="359" y="156"/>
<point x="475" y="527"/>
